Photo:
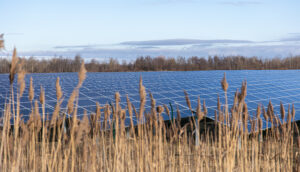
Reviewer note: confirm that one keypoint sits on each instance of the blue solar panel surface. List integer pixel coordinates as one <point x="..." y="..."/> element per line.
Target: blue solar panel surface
<point x="166" y="87"/>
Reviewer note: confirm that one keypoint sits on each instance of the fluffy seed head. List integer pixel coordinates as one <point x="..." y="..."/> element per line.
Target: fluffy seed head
<point x="117" y="98"/>
<point x="13" y="66"/>
<point x="31" y="90"/>
<point x="55" y="114"/>
<point x="204" y="108"/>
<point x="71" y="101"/>
<point x="289" y="116"/>
<point x="282" y="111"/>
<point x="224" y="83"/>
<point x="270" y="110"/>
<point x="21" y="82"/>
<point x="160" y="109"/>
<point x="243" y="93"/>
<point x="236" y="97"/>
<point x="58" y="89"/>
<point x="293" y="111"/>
<point x="42" y="95"/>
<point x="258" y="111"/>
<point x="265" y="114"/>
<point x="260" y="123"/>
<point x="167" y="110"/>
<point x="188" y="102"/>
<point x="198" y="111"/>
<point x="245" y="114"/>
<point x="142" y="98"/>
<point x="81" y="74"/>
<point x="129" y="106"/>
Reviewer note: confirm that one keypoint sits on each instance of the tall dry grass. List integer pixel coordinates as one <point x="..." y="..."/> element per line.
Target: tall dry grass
<point x="64" y="143"/>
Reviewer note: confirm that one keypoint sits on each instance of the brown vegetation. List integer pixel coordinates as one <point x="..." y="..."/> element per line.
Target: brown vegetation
<point x="61" y="64"/>
<point x="152" y="145"/>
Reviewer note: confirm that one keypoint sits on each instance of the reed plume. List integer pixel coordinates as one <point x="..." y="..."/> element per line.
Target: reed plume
<point x="21" y="81"/>
<point x="142" y="90"/>
<point x="198" y="111"/>
<point x="58" y="89"/>
<point x="258" y="111"/>
<point x="188" y="102"/>
<point x="282" y="111"/>
<point x="160" y="109"/>
<point x="31" y="90"/>
<point x="81" y="74"/>
<point x="42" y="96"/>
<point x="224" y="83"/>
<point x="204" y="108"/>
<point x="13" y="66"/>
<point x="167" y="110"/>
<point x="71" y="100"/>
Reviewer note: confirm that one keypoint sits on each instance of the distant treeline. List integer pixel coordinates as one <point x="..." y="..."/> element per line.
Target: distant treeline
<point x="147" y="63"/>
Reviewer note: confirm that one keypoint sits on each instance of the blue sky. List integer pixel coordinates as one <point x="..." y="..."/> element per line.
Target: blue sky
<point x="127" y="29"/>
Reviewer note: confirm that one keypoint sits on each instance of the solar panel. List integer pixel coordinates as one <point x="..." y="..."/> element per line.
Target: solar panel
<point x="166" y="87"/>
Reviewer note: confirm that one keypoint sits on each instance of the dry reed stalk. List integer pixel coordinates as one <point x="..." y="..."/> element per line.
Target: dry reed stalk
<point x="13" y="66"/>
<point x="55" y="114"/>
<point x="243" y="92"/>
<point x="117" y="99"/>
<point x="204" y="108"/>
<point x="71" y="100"/>
<point x="35" y="118"/>
<point x="21" y="81"/>
<point x="114" y="152"/>
<point x="81" y="74"/>
<point x="42" y="96"/>
<point x="130" y="112"/>
<point x="236" y="98"/>
<point x="188" y="102"/>
<point x="260" y="124"/>
<point x="282" y="111"/>
<point x="98" y="111"/>
<point x="167" y="110"/>
<point x="289" y="119"/>
<point x="83" y="129"/>
<point x="142" y="90"/>
<point x="216" y="117"/>
<point x="219" y="104"/>
<point x="160" y="109"/>
<point x="178" y="119"/>
<point x="270" y="112"/>
<point x="293" y="112"/>
<point x="224" y="83"/>
<point x="153" y="108"/>
<point x="265" y="114"/>
<point x="245" y="117"/>
<point x="296" y="130"/>
<point x="58" y="89"/>
<point x="129" y="106"/>
<point x="31" y="90"/>
<point x="198" y="111"/>
<point x="258" y="111"/>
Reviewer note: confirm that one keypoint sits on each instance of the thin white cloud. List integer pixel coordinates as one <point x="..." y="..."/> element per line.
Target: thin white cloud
<point x="266" y="51"/>
<point x="287" y="46"/>
<point x="171" y="42"/>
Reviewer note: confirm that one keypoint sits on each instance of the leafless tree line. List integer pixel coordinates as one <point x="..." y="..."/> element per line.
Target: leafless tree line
<point x="63" y="64"/>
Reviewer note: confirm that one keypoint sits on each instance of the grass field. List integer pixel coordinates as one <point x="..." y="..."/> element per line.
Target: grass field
<point x="152" y="145"/>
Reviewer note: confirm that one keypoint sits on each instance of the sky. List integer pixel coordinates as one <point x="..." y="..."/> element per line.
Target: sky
<point x="128" y="29"/>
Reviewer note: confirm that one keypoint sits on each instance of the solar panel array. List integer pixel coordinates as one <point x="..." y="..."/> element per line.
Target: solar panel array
<point x="166" y="87"/>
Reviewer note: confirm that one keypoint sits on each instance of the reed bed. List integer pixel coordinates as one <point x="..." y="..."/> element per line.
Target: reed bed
<point x="64" y="143"/>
